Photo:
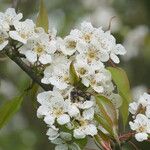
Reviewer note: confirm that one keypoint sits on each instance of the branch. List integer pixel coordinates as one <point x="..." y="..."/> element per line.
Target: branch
<point x="31" y="73"/>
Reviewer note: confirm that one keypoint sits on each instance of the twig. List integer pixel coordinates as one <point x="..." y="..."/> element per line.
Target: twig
<point x="31" y="73"/>
<point x="136" y="148"/>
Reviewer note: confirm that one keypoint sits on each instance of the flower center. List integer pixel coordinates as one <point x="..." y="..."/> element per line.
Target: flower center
<point x="141" y="129"/>
<point x="71" y="44"/>
<point x="91" y="54"/>
<point x="87" y="37"/>
<point x="39" y="48"/>
<point x="23" y="35"/>
<point x="82" y="71"/>
<point x="83" y="122"/>
<point x="58" y="111"/>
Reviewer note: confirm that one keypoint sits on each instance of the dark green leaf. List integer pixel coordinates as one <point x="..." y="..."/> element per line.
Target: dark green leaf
<point x="42" y="19"/>
<point x="8" y="109"/>
<point x="121" y="80"/>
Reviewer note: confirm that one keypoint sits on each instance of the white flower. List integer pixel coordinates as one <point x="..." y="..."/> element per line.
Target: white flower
<point x="58" y="72"/>
<point x="3" y="39"/>
<point x="8" y="18"/>
<point x="23" y="31"/>
<point x="85" y="129"/>
<point x="52" y="133"/>
<point x="133" y="107"/>
<point x="86" y="32"/>
<point x="141" y="136"/>
<point x="82" y="68"/>
<point x="141" y="125"/>
<point x="38" y="48"/>
<point x="53" y="107"/>
<point x="142" y="105"/>
<point x="68" y="45"/>
<point x="117" y="50"/>
<point x="93" y="56"/>
<point x="99" y="81"/>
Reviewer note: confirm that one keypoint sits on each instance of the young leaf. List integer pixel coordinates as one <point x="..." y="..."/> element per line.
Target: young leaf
<point x="121" y="80"/>
<point x="42" y="19"/>
<point x="9" y="109"/>
<point x="74" y="79"/>
<point x="103" y="141"/>
<point x="108" y="113"/>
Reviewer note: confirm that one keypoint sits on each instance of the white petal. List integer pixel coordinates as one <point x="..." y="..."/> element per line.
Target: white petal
<point x="88" y="114"/>
<point x="31" y="56"/>
<point x="42" y="111"/>
<point x="90" y="130"/>
<point x="52" y="133"/>
<point x="141" y="136"/>
<point x="63" y="119"/>
<point x="73" y="111"/>
<point x="45" y="59"/>
<point x="120" y="49"/>
<point x="114" y="58"/>
<point x="14" y="35"/>
<point x="49" y="119"/>
<point x="78" y="134"/>
<point x="86" y="104"/>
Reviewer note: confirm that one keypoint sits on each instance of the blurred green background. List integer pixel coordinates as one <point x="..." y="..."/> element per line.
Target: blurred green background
<point x="130" y="27"/>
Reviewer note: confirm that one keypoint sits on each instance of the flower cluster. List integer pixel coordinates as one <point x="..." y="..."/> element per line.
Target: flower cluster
<point x="73" y="106"/>
<point x="68" y="110"/>
<point x="34" y="42"/>
<point x="141" y="115"/>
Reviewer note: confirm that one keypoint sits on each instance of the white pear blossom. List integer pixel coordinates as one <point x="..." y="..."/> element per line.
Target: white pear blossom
<point x="142" y="105"/>
<point x="8" y="18"/>
<point x="23" y="31"/>
<point x="141" y="125"/>
<point x="100" y="81"/>
<point x="3" y="39"/>
<point x="53" y="107"/>
<point x="68" y="45"/>
<point x="39" y="49"/>
<point x="85" y="128"/>
<point x="58" y="72"/>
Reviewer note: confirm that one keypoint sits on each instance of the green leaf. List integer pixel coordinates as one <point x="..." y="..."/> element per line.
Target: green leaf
<point x="120" y="78"/>
<point x="32" y="93"/>
<point x="103" y="141"/>
<point x="102" y="121"/>
<point x="8" y="109"/>
<point x="74" y="79"/>
<point x="81" y="142"/>
<point x="42" y="19"/>
<point x="108" y="114"/>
